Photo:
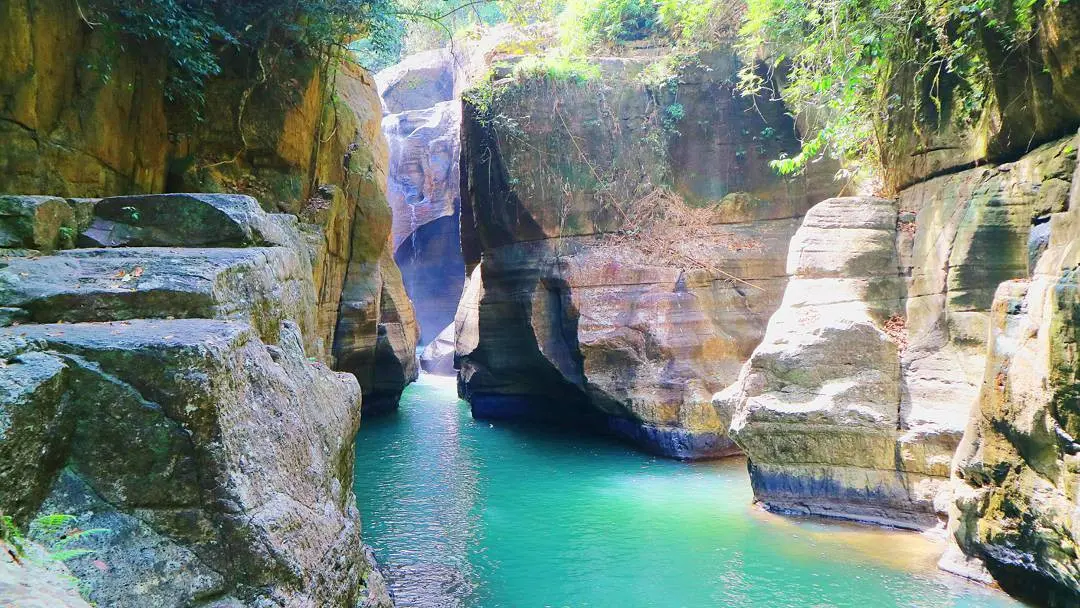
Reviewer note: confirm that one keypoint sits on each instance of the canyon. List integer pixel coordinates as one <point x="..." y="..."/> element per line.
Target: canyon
<point x="196" y="314"/>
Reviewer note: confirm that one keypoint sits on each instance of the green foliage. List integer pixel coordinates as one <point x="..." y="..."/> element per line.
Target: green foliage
<point x="674" y="113"/>
<point x="859" y="71"/>
<point x="558" y="67"/>
<point x="689" y="25"/>
<point x="412" y="26"/>
<point x="193" y="33"/>
<point x="484" y="99"/>
<point x="56" y="532"/>
<point x="700" y="23"/>
<point x="11" y="536"/>
<point x="590" y="24"/>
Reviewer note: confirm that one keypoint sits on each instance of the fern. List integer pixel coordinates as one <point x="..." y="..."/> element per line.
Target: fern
<point x="55" y="531"/>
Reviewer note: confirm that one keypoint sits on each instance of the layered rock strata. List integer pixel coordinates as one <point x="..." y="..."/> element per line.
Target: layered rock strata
<point x="1015" y="473"/>
<point x="858" y="396"/>
<point x="166" y="396"/>
<point x="422" y="128"/>
<point x="623" y="267"/>
<point x="304" y="138"/>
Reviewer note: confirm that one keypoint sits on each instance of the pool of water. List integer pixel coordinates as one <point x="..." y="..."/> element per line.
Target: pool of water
<point x="463" y="513"/>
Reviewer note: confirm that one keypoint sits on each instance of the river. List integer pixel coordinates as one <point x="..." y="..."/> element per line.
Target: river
<point x="465" y="513"/>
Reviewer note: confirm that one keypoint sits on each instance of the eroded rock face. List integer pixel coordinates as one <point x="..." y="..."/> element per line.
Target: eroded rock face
<point x="906" y="293"/>
<point x="1035" y="100"/>
<point x="572" y="315"/>
<point x="1016" y="472"/>
<point x="171" y="395"/>
<point x="438" y="355"/>
<point x="376" y="333"/>
<point x="422" y="128"/>
<point x="234" y="478"/>
<point x="817" y="407"/>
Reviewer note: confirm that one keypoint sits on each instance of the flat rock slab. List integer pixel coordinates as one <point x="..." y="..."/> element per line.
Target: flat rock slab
<point x="260" y="285"/>
<point x="181" y="220"/>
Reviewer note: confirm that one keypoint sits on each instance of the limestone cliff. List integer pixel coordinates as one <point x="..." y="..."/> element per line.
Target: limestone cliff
<point x="303" y="136"/>
<point x="1032" y="97"/>
<point x="163" y="393"/>
<point x="624" y="266"/>
<point x="857" y="398"/>
<point x="1016" y="471"/>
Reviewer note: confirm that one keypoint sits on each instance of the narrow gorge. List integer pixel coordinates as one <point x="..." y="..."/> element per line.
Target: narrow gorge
<point x="609" y="303"/>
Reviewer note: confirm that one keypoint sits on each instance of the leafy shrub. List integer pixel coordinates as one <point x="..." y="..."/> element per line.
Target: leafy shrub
<point x="859" y="70"/>
<point x="193" y="33"/>
<point x="589" y="24"/>
<point x="557" y="66"/>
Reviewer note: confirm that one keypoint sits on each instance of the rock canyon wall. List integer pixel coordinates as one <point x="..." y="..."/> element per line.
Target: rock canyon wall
<point x="622" y="266"/>
<point x="634" y="266"/>
<point x="158" y="387"/>
<point x="167" y="358"/>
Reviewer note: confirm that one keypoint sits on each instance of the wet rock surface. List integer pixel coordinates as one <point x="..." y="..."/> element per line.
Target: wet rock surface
<point x="422" y="129"/>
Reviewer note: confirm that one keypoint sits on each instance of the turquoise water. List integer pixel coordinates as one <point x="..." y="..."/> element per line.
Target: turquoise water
<point x="464" y="513"/>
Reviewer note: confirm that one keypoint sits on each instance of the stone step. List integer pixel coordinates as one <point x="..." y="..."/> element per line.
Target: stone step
<point x="260" y="285"/>
<point x="181" y="220"/>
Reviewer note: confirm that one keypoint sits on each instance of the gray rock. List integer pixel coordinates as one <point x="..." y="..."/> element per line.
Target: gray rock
<point x="438" y="356"/>
<point x="262" y="286"/>
<point x="213" y="482"/>
<point x="34" y="426"/>
<point x="33" y="222"/>
<point x="181" y="220"/>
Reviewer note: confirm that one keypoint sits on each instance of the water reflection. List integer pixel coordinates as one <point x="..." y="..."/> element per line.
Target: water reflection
<point x="473" y="514"/>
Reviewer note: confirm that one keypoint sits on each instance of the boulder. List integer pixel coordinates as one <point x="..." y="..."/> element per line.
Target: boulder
<point x="35" y="222"/>
<point x="260" y="285"/>
<point x="935" y="263"/>
<point x="211" y="483"/>
<point x="34" y="425"/>
<point x="181" y="220"/>
<point x="420" y="81"/>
